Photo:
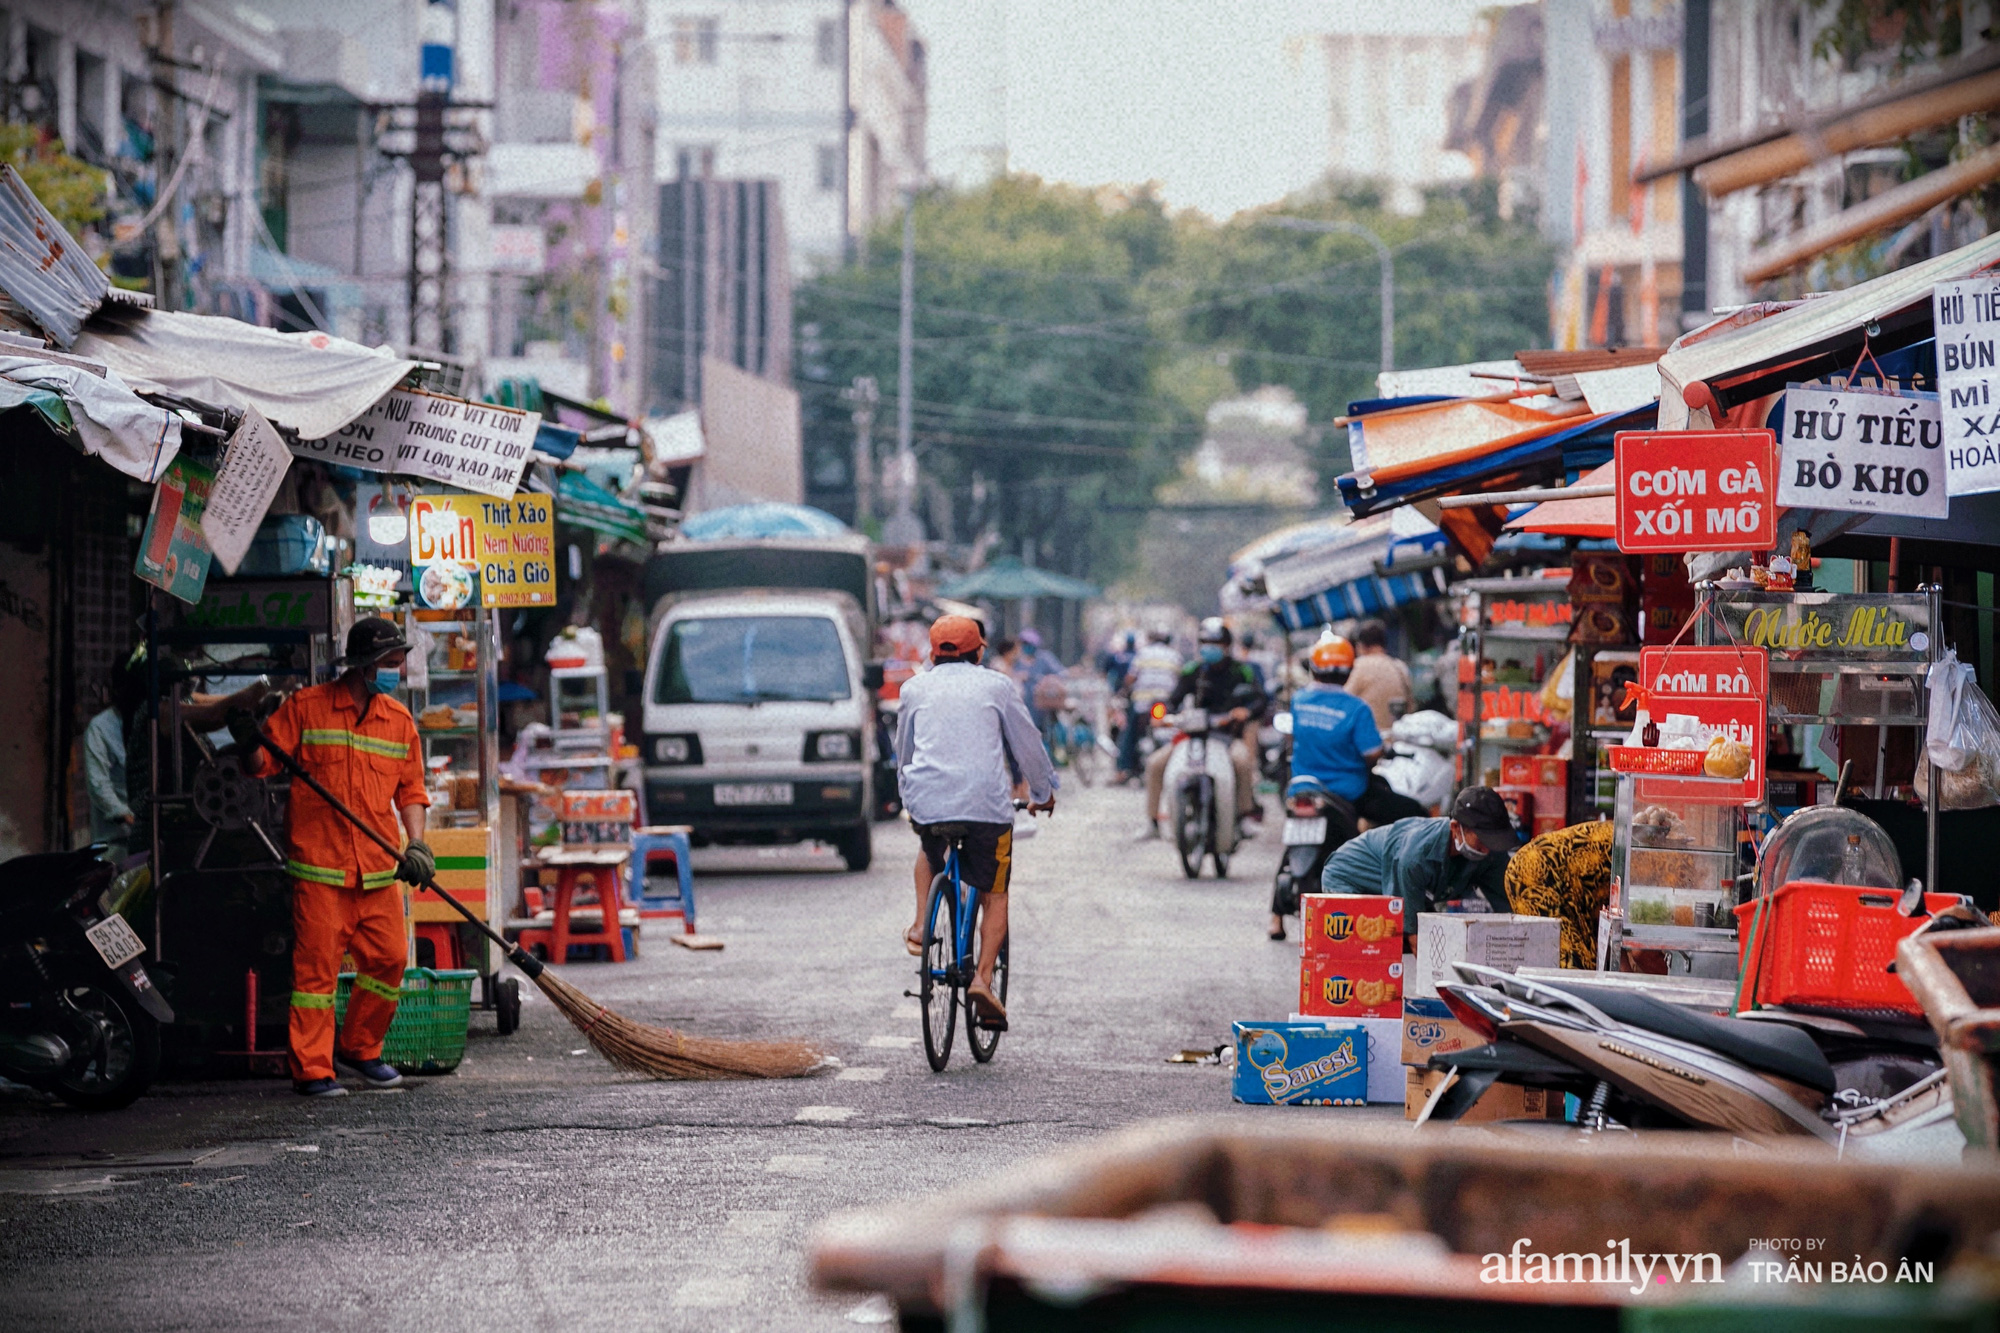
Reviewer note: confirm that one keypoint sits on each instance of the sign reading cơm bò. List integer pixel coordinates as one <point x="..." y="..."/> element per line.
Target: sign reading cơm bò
<point x="1966" y="315"/>
<point x="1867" y="452"/>
<point x="1725" y="691"/>
<point x="517" y="551"/>
<point x="473" y="446"/>
<point x="1696" y="490"/>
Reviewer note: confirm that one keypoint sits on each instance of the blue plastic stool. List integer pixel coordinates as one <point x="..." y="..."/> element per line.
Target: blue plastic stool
<point x="674" y="841"/>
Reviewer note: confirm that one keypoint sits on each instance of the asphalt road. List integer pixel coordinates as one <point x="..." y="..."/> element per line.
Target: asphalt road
<point x="537" y="1188"/>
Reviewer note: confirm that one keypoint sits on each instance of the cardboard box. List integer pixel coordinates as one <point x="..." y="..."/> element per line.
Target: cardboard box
<point x="461" y="871"/>
<point x="1550" y="772"/>
<point x="1517" y="770"/>
<point x="1300" y="1064"/>
<point x="1495" y="940"/>
<point x="1351" y="925"/>
<point x="1502" y="1101"/>
<point x="1428" y="1029"/>
<point x="1385" y="1070"/>
<point x="1547" y="824"/>
<point x="1351" y="987"/>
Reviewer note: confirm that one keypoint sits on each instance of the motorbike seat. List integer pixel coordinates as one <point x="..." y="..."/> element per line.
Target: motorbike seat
<point x="44" y="876"/>
<point x="1772" y="1048"/>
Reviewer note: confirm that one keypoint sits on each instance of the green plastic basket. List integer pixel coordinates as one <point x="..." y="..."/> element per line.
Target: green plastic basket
<point x="427" y="1035"/>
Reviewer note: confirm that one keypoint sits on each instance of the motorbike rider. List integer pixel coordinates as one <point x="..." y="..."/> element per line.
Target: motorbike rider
<point x="1227" y="690"/>
<point x="1151" y="677"/>
<point x="1335" y="744"/>
<point x="1431" y="862"/>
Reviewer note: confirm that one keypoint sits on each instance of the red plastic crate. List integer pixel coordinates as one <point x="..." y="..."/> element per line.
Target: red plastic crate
<point x="1827" y="946"/>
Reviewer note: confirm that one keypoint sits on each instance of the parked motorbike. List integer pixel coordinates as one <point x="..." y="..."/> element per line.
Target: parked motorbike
<point x="1317" y="822"/>
<point x="1638" y="1062"/>
<point x="81" y="1017"/>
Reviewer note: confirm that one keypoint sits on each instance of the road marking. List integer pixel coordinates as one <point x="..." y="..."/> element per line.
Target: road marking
<point x="796" y="1164"/>
<point x="888" y="1043"/>
<point x="827" y="1115"/>
<point x="711" y="1293"/>
<point x="860" y="1074"/>
<point x="754" y="1224"/>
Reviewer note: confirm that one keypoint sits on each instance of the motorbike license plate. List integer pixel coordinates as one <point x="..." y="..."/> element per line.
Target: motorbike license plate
<point x="116" y="943"/>
<point x="753" y="793"/>
<point x="1305" y="832"/>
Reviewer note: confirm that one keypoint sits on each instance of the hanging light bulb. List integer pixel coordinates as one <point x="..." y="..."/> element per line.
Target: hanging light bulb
<point x="388" y="521"/>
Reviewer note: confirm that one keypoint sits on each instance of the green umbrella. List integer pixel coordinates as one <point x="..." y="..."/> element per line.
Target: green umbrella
<point x="1007" y="580"/>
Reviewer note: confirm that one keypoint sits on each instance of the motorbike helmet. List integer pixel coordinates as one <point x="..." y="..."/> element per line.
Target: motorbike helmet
<point x="1304" y="787"/>
<point x="1213" y="640"/>
<point x="1331" y="659"/>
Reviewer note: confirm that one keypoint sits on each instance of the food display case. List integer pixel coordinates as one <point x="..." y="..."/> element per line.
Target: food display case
<point x="1675" y="868"/>
<point x="1519" y="634"/>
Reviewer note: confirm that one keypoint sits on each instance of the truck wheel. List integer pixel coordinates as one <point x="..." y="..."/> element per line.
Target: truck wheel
<point x="856" y="847"/>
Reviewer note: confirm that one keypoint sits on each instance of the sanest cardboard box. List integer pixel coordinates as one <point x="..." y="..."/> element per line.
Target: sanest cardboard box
<point x="1351" y="925"/>
<point x="1301" y="1064"/>
<point x="1508" y="943"/>
<point x="1429" y="1029"/>
<point x="1385" y="1068"/>
<point x="1351" y="987"/>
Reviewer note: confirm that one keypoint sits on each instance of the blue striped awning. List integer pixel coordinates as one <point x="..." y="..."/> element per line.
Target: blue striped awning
<point x="1370" y="596"/>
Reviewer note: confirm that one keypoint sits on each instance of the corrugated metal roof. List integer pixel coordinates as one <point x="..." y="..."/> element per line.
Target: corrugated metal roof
<point x="41" y="265"/>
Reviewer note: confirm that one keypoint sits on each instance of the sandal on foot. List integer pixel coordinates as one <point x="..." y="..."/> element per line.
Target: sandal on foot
<point x="913" y="940"/>
<point x="988" y="1003"/>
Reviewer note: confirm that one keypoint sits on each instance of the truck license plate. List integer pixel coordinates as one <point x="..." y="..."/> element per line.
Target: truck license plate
<point x="753" y="793"/>
<point x="1305" y="832"/>
<point x="116" y="943"/>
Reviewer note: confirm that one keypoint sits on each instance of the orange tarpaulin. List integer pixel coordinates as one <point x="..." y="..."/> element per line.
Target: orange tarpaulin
<point x="1576" y="518"/>
<point x="1404" y="440"/>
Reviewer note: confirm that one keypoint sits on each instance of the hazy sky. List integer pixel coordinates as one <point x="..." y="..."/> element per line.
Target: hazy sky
<point x="1215" y="99"/>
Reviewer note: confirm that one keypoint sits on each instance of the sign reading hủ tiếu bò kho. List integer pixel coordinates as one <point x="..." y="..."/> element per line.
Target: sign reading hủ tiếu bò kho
<point x="1862" y="451"/>
<point x="1696" y="490"/>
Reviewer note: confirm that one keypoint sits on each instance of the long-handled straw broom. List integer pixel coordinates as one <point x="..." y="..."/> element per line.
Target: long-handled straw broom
<point x="655" y="1052"/>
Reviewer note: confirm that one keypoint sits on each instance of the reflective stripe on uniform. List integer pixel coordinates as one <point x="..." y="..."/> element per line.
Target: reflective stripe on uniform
<point x="379" y="879"/>
<point x="317" y="874"/>
<point x="305" y="999"/>
<point x="366" y="744"/>
<point x="381" y="988"/>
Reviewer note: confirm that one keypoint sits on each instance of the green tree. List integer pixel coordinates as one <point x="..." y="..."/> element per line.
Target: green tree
<point x="72" y="190"/>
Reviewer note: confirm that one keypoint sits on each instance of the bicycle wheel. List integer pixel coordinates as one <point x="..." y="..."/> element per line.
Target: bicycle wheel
<point x="985" y="1041"/>
<point x="937" y="997"/>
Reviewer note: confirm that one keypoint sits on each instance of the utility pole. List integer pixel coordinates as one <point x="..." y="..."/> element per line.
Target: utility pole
<point x="1382" y="253"/>
<point x="864" y="395"/>
<point x="903" y="529"/>
<point x="167" y="149"/>
<point x="429" y="253"/>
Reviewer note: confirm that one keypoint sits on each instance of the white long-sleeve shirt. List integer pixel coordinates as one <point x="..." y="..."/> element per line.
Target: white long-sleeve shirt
<point x="959" y="727"/>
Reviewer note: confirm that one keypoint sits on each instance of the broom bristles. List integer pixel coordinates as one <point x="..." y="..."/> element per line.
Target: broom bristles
<point x="667" y="1054"/>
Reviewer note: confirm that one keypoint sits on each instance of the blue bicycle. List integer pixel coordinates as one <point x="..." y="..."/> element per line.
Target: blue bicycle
<point x="951" y="960"/>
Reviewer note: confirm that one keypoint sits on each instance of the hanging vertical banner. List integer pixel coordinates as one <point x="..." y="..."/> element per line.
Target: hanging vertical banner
<point x="1864" y="451"/>
<point x="1696" y="490"/>
<point x="444" y="551"/>
<point x="1966" y="315"/>
<point x="173" y="554"/>
<point x="517" y="551"/>
<point x="253" y="468"/>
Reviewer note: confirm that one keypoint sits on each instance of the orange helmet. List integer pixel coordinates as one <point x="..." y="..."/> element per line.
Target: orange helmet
<point x="1332" y="656"/>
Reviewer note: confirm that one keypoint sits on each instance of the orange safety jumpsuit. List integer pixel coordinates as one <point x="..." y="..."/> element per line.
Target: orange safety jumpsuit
<point x="343" y="899"/>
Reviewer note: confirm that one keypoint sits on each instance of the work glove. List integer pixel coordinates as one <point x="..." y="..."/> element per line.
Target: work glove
<point x="419" y="863"/>
<point x="243" y="729"/>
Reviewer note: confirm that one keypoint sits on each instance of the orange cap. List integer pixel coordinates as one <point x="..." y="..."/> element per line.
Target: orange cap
<point x="1332" y="653"/>
<point x="956" y="636"/>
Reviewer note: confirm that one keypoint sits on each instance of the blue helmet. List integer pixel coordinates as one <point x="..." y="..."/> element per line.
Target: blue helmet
<point x="1305" y="785"/>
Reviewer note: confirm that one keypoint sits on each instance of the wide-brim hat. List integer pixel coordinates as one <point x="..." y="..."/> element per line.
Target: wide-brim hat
<point x="372" y="639"/>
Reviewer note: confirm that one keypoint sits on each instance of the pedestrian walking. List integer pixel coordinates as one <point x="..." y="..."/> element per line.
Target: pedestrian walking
<point x="1379" y="680"/>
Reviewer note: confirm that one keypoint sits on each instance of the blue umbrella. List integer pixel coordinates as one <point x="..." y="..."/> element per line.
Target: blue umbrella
<point x="767" y="518"/>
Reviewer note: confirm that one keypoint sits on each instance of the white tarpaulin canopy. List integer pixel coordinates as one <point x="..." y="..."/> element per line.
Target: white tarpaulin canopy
<point x="1719" y="349"/>
<point x="314" y="383"/>
<point x="112" y="422"/>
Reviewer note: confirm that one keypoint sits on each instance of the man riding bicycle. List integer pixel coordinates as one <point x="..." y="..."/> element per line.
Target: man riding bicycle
<point x="964" y="743"/>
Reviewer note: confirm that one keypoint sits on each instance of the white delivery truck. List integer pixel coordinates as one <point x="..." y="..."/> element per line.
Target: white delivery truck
<point x="760" y="693"/>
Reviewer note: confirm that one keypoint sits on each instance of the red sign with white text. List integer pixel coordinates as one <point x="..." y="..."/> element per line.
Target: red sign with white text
<point x="1696" y="490"/>
<point x="1725" y="691"/>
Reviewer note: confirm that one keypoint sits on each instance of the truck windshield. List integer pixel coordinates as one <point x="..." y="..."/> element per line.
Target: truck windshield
<point x="751" y="659"/>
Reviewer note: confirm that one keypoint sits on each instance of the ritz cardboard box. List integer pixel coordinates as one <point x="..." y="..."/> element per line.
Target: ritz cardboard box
<point x="1301" y="1064"/>
<point x="1351" y="987"/>
<point x="1351" y="925"/>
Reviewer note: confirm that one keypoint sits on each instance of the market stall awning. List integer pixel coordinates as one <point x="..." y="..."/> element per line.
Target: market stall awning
<point x="42" y="267"/>
<point x="1738" y="358"/>
<point x="1365" y="568"/>
<point x="1593" y="517"/>
<point x="766" y="518"/>
<point x="582" y="503"/>
<point x="313" y="383"/>
<point x="1568" y="446"/>
<point x="1388" y="444"/>
<point x="100" y="416"/>
<point x="1007" y="579"/>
